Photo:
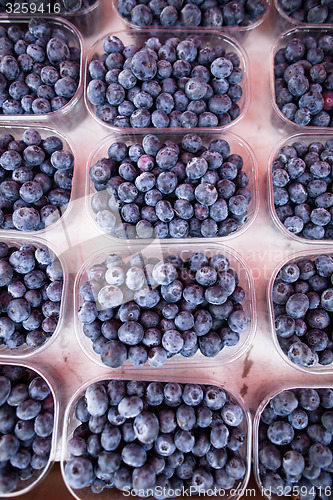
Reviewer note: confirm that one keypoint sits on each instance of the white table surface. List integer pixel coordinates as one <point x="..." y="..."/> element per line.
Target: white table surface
<point x="259" y="371"/>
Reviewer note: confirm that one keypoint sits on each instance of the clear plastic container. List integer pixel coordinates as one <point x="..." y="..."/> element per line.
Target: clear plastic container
<point x="17" y="132"/>
<point x="71" y="422"/>
<point x="25" y="351"/>
<point x="73" y="112"/>
<point x="265" y="492"/>
<point x="278" y="119"/>
<point x="87" y="20"/>
<point x="237" y="146"/>
<point x="208" y="38"/>
<point x="184" y="250"/>
<point x="285" y="21"/>
<point x="238" y="32"/>
<point x="309" y="254"/>
<point x="38" y="475"/>
<point x="288" y="141"/>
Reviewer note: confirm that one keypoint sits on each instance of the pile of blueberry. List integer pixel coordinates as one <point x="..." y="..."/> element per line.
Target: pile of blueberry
<point x="155" y="438"/>
<point x="302" y="188"/>
<point x="152" y="309"/>
<point x="31" y="284"/>
<point x="172" y="83"/>
<point x="295" y="444"/>
<point x="35" y="180"/>
<point x="162" y="189"/>
<point x="26" y="427"/>
<point x="303" y="11"/>
<point x="39" y="69"/>
<point x="303" y="72"/>
<point x="302" y="297"/>
<point x="209" y="13"/>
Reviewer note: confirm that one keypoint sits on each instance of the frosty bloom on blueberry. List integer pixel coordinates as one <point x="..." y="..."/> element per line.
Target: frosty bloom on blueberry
<point x="146" y="435"/>
<point x="164" y="189"/>
<point x="149" y="310"/>
<point x="176" y="83"/>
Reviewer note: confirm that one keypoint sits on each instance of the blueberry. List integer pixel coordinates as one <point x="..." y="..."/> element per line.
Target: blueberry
<point x="27" y="409"/>
<point x="143" y="65"/>
<point x="184" y="209"/>
<point x="113" y="353"/>
<point x="161" y="62"/>
<point x="206" y="194"/>
<point x="96" y="92"/>
<point x="172" y="341"/>
<point x="232" y="414"/>
<point x="44" y="424"/>
<point x="310" y="104"/>
<point x="139" y="328"/>
<point x="280" y="433"/>
<point x="96" y="399"/>
<point x="134" y="455"/>
<point x="178" y="228"/>
<point x="320" y="455"/>
<point x="221" y="67"/>
<point x="79" y="472"/>
<point x="130" y="333"/>
<point x="9" y="446"/>
<point x="146" y="427"/>
<point x="238" y="321"/>
<point x="284" y="403"/>
<point x="300" y="353"/>
<point x="297" y="305"/>
<point x="236" y="468"/>
<point x="166" y="182"/>
<point x="309" y="399"/>
<point x="155" y="393"/>
<point x="270" y="456"/>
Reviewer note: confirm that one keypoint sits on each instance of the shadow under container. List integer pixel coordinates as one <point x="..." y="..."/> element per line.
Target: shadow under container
<point x="239" y="32"/>
<point x="70" y="115"/>
<point x="228" y="354"/>
<point x="312" y="255"/>
<point x="25" y="351"/>
<point x="71" y="422"/>
<point x="17" y="131"/>
<point x="308" y="138"/>
<point x="237" y="146"/>
<point x="281" y="122"/>
<point x="288" y="491"/>
<point x="208" y="38"/>
<point x="26" y="486"/>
